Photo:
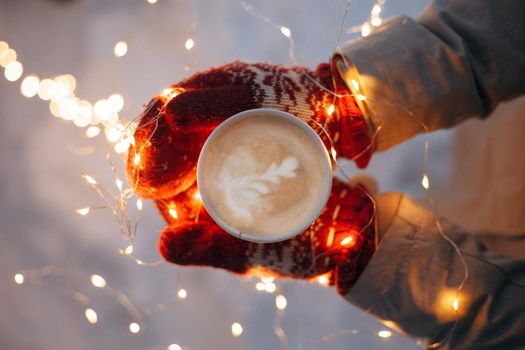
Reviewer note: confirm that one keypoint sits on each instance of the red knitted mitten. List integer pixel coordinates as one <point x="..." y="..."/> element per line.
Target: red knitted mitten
<point x="170" y="135"/>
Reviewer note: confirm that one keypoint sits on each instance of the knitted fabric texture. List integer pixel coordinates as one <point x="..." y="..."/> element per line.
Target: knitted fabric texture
<point x="172" y="131"/>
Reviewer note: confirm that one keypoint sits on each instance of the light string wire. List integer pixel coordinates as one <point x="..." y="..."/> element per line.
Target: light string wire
<point x="425" y="182"/>
<point x="119" y="211"/>
<point x="129" y="230"/>
<point x="169" y="93"/>
<point x="35" y="276"/>
<point x="251" y="10"/>
<point x="137" y="316"/>
<point x="376" y="20"/>
<point x="287" y="33"/>
<point x="117" y="204"/>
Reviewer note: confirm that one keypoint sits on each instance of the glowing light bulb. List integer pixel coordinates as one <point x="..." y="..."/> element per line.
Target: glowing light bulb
<point x="259" y="286"/>
<point x="347" y="240"/>
<point x="98" y="281"/>
<point x="102" y="109"/>
<point x="334" y="153"/>
<point x="376" y="10"/>
<point x="182" y="293"/>
<point x="136" y="159"/>
<point x="91" y="316"/>
<point x="236" y="329"/>
<point x="173" y="346"/>
<point x="89" y="180"/>
<point x="189" y="44"/>
<point x="455" y="304"/>
<point x="62" y="90"/>
<point x="19" y="278"/>
<point x="46" y="89"/>
<point x="355" y="84"/>
<point x="84" y="114"/>
<point x="116" y="102"/>
<point x="365" y="29"/>
<point x="360" y="97"/>
<point x="173" y="213"/>
<point x="267" y="279"/>
<point x="7" y="56"/>
<point x="113" y="134"/>
<point x="376" y="21"/>
<point x="123" y="145"/>
<point x="139" y="204"/>
<point x="270" y="287"/>
<point x="322" y="280"/>
<point x="3" y="46"/>
<point x="330" y="110"/>
<point x="120" y="48"/>
<point x="83" y="211"/>
<point x="53" y="108"/>
<point x="280" y="302"/>
<point x="384" y="334"/>
<point x="131" y="138"/>
<point x="286" y="31"/>
<point x="169" y="93"/>
<point x="13" y="71"/>
<point x="29" y="86"/>
<point x="425" y="182"/>
<point x="134" y="327"/>
<point x="92" y="131"/>
<point x="118" y="183"/>
<point x="154" y="2"/>
<point x="67" y="80"/>
<point x="128" y="250"/>
<point x="197" y="196"/>
<point x="68" y="109"/>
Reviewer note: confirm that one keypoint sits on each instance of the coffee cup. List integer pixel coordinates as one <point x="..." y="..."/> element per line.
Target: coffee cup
<point x="264" y="175"/>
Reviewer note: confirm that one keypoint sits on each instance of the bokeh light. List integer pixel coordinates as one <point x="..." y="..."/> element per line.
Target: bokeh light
<point x="91" y="316"/>
<point x="236" y="329"/>
<point x="47" y="89"/>
<point x="120" y="48"/>
<point x="29" y="86"/>
<point x="134" y="327"/>
<point x="13" y="71"/>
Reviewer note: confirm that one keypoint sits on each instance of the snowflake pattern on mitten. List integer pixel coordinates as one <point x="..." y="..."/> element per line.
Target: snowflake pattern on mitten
<point x="173" y="129"/>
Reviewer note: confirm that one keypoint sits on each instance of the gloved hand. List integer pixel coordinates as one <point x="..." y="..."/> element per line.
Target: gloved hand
<point x="170" y="135"/>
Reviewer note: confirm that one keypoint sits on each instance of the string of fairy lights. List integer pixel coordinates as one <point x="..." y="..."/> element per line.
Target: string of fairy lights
<point x="59" y="91"/>
<point x="102" y="116"/>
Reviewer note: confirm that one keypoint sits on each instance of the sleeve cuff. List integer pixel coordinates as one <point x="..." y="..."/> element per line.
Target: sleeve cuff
<point x="403" y="218"/>
<point x="382" y="287"/>
<point x="411" y="81"/>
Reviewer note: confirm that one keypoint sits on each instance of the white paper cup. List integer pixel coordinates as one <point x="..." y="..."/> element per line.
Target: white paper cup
<point x="326" y="168"/>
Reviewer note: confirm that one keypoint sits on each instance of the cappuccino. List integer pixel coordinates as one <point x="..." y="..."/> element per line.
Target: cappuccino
<point x="264" y="175"/>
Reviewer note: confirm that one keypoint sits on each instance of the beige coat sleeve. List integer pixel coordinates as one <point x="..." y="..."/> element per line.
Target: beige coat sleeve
<point x="459" y="59"/>
<point x="411" y="282"/>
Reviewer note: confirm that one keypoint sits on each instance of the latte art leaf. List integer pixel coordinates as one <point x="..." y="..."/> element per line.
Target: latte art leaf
<point x="244" y="194"/>
<point x="286" y="169"/>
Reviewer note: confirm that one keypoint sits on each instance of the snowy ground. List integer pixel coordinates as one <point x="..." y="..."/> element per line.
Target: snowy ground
<point x="40" y="185"/>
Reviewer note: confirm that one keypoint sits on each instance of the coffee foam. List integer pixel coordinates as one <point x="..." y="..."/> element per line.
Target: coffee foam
<point x="263" y="176"/>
